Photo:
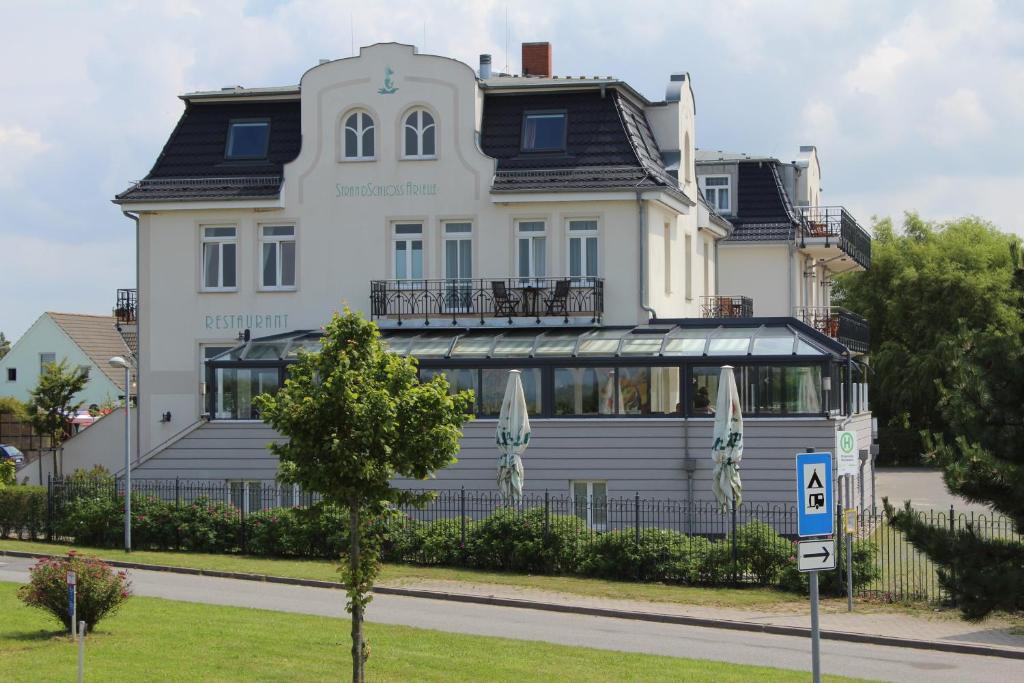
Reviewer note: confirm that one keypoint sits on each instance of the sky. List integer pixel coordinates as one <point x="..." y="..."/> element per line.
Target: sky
<point x="913" y="105"/>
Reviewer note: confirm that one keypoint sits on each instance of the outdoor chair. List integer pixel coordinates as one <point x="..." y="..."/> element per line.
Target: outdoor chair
<point x="505" y="303"/>
<point x="559" y="299"/>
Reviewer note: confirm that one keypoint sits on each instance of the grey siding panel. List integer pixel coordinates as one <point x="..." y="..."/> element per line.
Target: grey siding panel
<point x="632" y="456"/>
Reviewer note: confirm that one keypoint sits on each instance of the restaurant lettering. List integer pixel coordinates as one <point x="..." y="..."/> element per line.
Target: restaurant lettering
<point x="375" y="190"/>
<point x="247" y="321"/>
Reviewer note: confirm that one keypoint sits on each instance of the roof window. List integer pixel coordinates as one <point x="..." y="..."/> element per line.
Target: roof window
<point x="544" y="131"/>
<point x="248" y="139"/>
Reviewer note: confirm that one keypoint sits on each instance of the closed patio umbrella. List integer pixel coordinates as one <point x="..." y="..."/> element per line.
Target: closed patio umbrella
<point x="727" y="451"/>
<point x="513" y="435"/>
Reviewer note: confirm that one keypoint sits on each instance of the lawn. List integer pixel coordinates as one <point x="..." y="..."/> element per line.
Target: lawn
<point x="162" y="640"/>
<point x="409" y="575"/>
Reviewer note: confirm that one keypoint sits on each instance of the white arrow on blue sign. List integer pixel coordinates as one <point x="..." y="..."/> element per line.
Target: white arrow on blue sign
<point x="815" y="502"/>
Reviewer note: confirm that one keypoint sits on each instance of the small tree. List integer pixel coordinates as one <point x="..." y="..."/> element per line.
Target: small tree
<point x="100" y="591"/>
<point x="52" y="402"/>
<point x="356" y="417"/>
<point x="5" y="345"/>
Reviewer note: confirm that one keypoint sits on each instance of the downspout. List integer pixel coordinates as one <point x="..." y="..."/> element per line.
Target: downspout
<point x="792" y="301"/>
<point x="643" y="256"/>
<point x="138" y="343"/>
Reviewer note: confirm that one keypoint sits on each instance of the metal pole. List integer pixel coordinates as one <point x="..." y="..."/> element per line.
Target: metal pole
<point x="127" y="459"/>
<point x="849" y="549"/>
<point x="81" y="651"/>
<point x="735" y="569"/>
<point x="815" y="633"/>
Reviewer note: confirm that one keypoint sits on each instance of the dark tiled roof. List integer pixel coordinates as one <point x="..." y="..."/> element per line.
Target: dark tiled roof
<point x="609" y="144"/>
<point x="192" y="164"/>
<point x="764" y="211"/>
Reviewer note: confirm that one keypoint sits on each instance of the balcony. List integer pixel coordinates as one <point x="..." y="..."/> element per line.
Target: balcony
<point x="849" y="329"/>
<point x="726" y="307"/>
<point x="834" y="226"/>
<point x="578" y="301"/>
<point x="126" y="313"/>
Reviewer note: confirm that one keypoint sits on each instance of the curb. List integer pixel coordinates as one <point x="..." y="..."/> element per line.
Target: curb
<point x="845" y="636"/>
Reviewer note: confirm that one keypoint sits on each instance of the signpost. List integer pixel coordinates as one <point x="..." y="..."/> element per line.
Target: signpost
<point x="72" y="603"/>
<point x="847" y="467"/>
<point x="815" y="517"/>
<point x="847" y="457"/>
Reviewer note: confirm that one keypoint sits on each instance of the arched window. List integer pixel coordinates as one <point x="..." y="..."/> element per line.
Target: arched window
<point x="419" y="135"/>
<point x="359" y="132"/>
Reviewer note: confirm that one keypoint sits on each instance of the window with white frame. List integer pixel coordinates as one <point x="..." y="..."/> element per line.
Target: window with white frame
<point x="583" y="245"/>
<point x="458" y="265"/>
<point x="359" y="137"/>
<point x="590" y="502"/>
<point x="419" y="135"/>
<point x="544" y="131"/>
<point x="716" y="190"/>
<point x="248" y="496"/>
<point x="247" y="139"/>
<point x="219" y="249"/>
<point x="45" y="359"/>
<point x="531" y="249"/>
<point x="407" y="239"/>
<point x="277" y="257"/>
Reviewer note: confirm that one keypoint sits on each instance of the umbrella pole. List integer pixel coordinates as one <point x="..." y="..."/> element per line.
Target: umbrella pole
<point x="735" y="573"/>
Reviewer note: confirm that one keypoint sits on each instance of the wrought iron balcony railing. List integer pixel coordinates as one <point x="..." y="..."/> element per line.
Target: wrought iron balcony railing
<point x="126" y="309"/>
<point x="726" y="307"/>
<point x="508" y="298"/>
<point x="835" y="224"/>
<point x="847" y="328"/>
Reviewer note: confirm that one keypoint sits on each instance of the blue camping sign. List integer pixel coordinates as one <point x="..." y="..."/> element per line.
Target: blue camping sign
<point x="815" y="501"/>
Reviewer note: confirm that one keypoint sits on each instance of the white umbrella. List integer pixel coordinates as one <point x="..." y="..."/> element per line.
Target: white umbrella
<point x="513" y="436"/>
<point x="727" y="450"/>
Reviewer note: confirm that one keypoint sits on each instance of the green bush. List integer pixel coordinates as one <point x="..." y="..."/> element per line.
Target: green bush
<point x="761" y="553"/>
<point x="23" y="511"/>
<point x="95" y="520"/>
<point x="661" y="555"/>
<point x="208" y="526"/>
<point x="100" y="590"/>
<point x="516" y="541"/>
<point x="865" y="570"/>
<point x="713" y="561"/>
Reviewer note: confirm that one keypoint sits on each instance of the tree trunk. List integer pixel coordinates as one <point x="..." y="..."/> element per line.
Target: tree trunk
<point x="358" y="663"/>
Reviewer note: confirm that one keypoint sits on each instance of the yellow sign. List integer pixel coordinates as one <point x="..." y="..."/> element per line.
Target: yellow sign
<point x="850" y="520"/>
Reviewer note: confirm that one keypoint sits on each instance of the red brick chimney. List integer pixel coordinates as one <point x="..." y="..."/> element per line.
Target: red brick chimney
<point x="536" y="59"/>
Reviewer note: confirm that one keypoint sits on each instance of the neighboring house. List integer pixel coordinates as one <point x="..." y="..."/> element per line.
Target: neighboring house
<point x="485" y="222"/>
<point x="84" y="341"/>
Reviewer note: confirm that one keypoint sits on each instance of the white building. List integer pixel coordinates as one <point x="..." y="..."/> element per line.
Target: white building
<point x="486" y="221"/>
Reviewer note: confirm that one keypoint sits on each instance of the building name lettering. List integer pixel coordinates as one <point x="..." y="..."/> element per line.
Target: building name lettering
<point x="409" y="189"/>
<point x="247" y="321"/>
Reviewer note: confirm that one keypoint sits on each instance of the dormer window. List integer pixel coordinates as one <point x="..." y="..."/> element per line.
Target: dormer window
<point x="716" y="190"/>
<point x="544" y="131"/>
<point x="247" y="139"/>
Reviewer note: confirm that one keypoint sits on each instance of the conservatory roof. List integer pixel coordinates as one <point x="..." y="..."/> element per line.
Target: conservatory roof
<point x="683" y="339"/>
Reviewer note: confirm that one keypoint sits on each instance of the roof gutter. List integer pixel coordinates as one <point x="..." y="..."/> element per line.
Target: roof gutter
<point x="643" y="255"/>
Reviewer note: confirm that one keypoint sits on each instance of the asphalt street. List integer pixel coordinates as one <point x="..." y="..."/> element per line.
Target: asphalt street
<point x="850" y="659"/>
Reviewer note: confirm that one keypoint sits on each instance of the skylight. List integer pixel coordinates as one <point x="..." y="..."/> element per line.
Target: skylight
<point x="248" y="139"/>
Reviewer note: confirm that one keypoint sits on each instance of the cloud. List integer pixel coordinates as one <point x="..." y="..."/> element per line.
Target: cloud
<point x="18" y="147"/>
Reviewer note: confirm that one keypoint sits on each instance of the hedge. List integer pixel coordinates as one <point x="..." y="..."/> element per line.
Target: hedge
<point x="506" y="540"/>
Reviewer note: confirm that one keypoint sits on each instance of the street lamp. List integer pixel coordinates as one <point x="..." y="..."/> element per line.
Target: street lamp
<point x="119" y="362"/>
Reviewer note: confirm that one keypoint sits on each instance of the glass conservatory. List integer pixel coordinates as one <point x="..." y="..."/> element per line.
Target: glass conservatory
<point x="663" y="369"/>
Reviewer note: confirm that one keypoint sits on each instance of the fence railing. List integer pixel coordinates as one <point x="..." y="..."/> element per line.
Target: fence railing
<point x="507" y="298"/>
<point x="836" y="224"/>
<point x="726" y="307"/>
<point x="842" y="325"/>
<point x="902" y="574"/>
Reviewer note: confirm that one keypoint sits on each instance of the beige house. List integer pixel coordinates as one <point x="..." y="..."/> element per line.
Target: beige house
<point x="485" y="221"/>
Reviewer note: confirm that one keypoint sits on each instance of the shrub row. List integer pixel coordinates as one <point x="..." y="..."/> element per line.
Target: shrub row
<point x="506" y="540"/>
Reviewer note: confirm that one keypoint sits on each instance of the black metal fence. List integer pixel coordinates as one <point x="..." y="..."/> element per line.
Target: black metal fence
<point x="677" y="529"/>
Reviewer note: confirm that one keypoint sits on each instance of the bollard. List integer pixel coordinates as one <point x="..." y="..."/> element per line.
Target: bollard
<point x="81" y="651"/>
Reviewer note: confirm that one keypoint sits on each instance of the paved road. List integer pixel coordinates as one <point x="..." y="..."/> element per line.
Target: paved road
<point x="852" y="659"/>
<point x="924" y="488"/>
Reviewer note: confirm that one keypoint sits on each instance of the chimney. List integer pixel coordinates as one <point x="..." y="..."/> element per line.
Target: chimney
<point x="485" y="67"/>
<point x="537" y="59"/>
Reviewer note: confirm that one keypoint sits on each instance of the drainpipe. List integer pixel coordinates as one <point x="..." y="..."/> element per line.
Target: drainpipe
<point x="717" y="286"/>
<point x="643" y="256"/>
<point x="138" y="343"/>
<point x="792" y="301"/>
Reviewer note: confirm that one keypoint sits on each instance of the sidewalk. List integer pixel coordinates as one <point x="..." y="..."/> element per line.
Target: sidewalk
<point x="866" y="619"/>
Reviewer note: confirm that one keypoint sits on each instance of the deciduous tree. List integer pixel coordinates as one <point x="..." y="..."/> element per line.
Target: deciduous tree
<point x="52" y="403"/>
<point x="357" y="417"/>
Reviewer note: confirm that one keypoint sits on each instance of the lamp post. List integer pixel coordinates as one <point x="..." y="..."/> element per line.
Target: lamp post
<point x="119" y="362"/>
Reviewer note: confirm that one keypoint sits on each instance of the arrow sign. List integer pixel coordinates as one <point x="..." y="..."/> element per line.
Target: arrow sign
<point x="816" y="555"/>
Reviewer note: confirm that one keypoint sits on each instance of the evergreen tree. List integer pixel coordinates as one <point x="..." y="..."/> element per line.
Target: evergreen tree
<point x="356" y="417"/>
<point x="981" y="453"/>
<point x="52" y="403"/>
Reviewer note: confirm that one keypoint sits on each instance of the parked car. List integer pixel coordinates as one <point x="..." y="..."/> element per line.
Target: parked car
<point x="12" y="453"/>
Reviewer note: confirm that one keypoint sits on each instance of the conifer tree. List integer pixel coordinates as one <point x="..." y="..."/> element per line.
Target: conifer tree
<point x="981" y="453"/>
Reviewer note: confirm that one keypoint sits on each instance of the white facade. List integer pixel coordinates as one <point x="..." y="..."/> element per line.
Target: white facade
<point x="346" y="215"/>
